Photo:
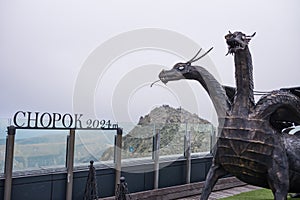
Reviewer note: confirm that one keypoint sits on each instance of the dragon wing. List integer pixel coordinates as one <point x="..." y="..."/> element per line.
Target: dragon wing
<point x="280" y="107"/>
<point x="293" y="90"/>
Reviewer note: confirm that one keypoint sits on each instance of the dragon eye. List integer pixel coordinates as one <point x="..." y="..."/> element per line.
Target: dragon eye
<point x="181" y="68"/>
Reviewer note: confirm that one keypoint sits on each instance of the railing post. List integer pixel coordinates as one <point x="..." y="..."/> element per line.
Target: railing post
<point x="187" y="154"/>
<point x="9" y="157"/>
<point x="156" y="147"/>
<point x="213" y="138"/>
<point x="70" y="164"/>
<point x="118" y="158"/>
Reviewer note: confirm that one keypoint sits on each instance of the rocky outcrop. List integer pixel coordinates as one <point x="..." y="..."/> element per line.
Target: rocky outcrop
<point x="172" y="125"/>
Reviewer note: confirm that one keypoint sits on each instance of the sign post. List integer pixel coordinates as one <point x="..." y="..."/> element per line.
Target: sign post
<point x="9" y="155"/>
<point x="70" y="164"/>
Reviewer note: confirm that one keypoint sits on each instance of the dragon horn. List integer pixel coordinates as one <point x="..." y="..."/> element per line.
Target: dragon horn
<point x="191" y="60"/>
<point x="253" y="34"/>
<point x="249" y="37"/>
<point x="203" y="55"/>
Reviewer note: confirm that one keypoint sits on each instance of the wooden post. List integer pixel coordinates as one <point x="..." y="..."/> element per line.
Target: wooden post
<point x="213" y="138"/>
<point x="187" y="154"/>
<point x="70" y="164"/>
<point x="118" y="157"/>
<point x="9" y="157"/>
<point x="156" y="147"/>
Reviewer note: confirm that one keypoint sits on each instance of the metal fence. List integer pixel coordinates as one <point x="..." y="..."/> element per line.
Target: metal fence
<point x="36" y="149"/>
<point x="39" y="150"/>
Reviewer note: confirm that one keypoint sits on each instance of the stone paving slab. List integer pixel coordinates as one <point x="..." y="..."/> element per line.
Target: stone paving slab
<point x="193" y="190"/>
<point x="225" y="193"/>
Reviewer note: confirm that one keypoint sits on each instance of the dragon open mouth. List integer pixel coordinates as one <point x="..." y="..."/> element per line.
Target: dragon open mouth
<point x="234" y="44"/>
<point x="237" y="41"/>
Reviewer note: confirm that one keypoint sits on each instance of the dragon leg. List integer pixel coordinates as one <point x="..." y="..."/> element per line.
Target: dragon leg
<point x="215" y="172"/>
<point x="278" y="179"/>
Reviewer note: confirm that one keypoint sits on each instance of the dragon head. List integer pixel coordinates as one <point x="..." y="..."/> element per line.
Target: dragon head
<point x="237" y="41"/>
<point x="179" y="71"/>
<point x="182" y="70"/>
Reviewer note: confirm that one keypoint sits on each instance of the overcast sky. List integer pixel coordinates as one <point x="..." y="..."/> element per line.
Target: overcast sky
<point x="46" y="44"/>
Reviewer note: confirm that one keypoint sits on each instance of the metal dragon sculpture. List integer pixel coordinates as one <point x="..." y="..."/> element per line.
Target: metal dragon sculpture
<point x="251" y="144"/>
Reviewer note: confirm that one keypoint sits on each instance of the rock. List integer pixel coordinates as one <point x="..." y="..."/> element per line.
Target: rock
<point x="172" y="124"/>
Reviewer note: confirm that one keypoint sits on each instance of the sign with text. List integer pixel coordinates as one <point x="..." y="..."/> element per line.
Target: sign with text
<point x="22" y="119"/>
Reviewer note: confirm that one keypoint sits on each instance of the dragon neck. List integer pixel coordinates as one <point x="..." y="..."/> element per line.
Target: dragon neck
<point x="244" y="99"/>
<point x="215" y="90"/>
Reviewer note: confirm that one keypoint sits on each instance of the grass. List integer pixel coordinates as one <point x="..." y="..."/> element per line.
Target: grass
<point x="261" y="194"/>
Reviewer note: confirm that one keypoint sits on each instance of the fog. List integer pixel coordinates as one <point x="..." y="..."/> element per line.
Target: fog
<point x="48" y="47"/>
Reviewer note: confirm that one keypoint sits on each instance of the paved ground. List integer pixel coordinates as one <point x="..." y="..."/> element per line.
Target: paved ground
<point x="225" y="193"/>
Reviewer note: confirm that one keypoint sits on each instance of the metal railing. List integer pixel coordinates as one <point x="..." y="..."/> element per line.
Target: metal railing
<point x="153" y="143"/>
<point x="9" y="158"/>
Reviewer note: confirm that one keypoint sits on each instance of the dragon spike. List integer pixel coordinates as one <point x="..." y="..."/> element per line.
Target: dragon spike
<point x="202" y="55"/>
<point x="191" y="60"/>
<point x="249" y="37"/>
<point x="252" y="35"/>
